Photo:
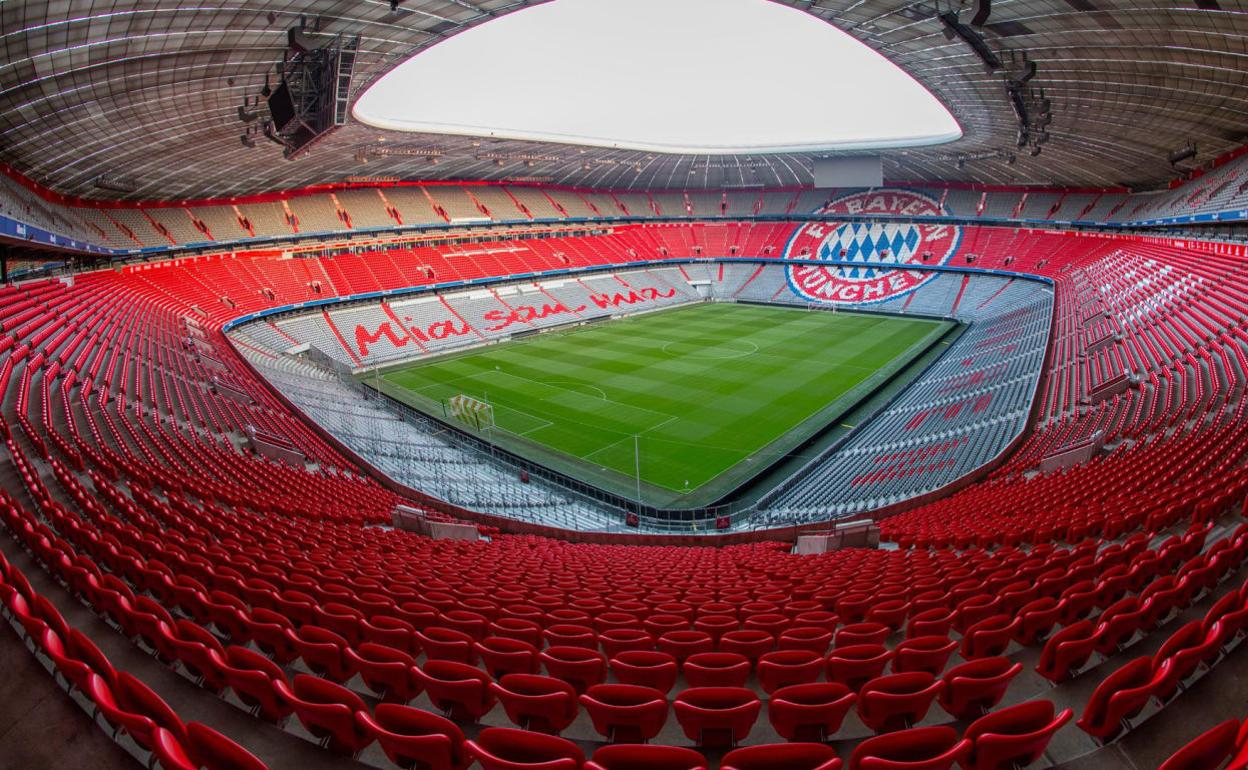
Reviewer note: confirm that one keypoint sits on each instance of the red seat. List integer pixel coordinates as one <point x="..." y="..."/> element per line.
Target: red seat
<point x="617" y="640"/>
<point x="717" y="716"/>
<point x="169" y="753"/>
<point x="328" y="711"/>
<point x="521" y="629"/>
<point x="936" y="621"/>
<point x="446" y="644"/>
<point x="386" y="671"/>
<point x="1066" y="651"/>
<point x="252" y="677"/>
<point x="790" y="756"/>
<point x="214" y="751"/>
<point x="974" y="687"/>
<point x="626" y="713"/>
<point x="897" y="701"/>
<point x="503" y="655"/>
<point x="577" y="666"/>
<point x="857" y="664"/>
<point x="272" y="631"/>
<point x="458" y="689"/>
<point x="228" y="613"/>
<point x="570" y="635"/>
<point x="324" y="651"/>
<point x="810" y="712"/>
<point x="1186" y="649"/>
<point x="190" y="644"/>
<point x="648" y="668"/>
<point x="1014" y="736"/>
<point x="890" y="612"/>
<point x="989" y="637"/>
<point x="1231" y="613"/>
<point x="134" y="708"/>
<point x="540" y="703"/>
<point x="920" y="748"/>
<point x="753" y="643"/>
<point x="785" y="667"/>
<point x="816" y="640"/>
<point x="74" y="671"/>
<point x="1120" y="696"/>
<point x="473" y="624"/>
<point x="1207" y="750"/>
<point x="862" y="633"/>
<point x="390" y="631"/>
<point x="716" y="669"/>
<point x="1118" y="625"/>
<point x="636" y="757"/>
<point x="413" y="737"/>
<point x="1036" y="620"/>
<point x="923" y="653"/>
<point x="716" y="625"/>
<point x="79" y="646"/>
<point x="339" y="618"/>
<point x="505" y="748"/>
<point x="681" y="644"/>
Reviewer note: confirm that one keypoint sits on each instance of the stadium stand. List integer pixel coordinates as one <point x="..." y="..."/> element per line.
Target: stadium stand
<point x="275" y="602"/>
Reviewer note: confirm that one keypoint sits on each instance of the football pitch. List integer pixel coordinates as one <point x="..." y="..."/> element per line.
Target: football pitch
<point x="698" y="396"/>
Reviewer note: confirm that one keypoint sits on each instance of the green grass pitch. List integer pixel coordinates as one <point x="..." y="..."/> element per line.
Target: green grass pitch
<point x="703" y="387"/>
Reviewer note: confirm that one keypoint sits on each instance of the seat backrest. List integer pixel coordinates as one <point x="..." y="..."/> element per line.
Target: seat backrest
<point x="791" y="756"/>
<point x="645" y="757"/>
<point x="216" y="752"/>
<point x="510" y="749"/>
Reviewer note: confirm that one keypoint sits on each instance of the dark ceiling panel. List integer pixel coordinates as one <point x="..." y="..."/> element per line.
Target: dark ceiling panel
<point x="147" y="90"/>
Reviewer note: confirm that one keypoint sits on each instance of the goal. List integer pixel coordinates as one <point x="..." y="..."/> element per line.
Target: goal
<point x="471" y="411"/>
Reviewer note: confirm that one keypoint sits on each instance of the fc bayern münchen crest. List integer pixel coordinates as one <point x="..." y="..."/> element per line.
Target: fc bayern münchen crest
<point x="870" y="257"/>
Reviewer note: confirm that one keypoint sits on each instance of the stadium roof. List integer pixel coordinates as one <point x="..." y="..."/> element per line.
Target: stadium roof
<point x="147" y="93"/>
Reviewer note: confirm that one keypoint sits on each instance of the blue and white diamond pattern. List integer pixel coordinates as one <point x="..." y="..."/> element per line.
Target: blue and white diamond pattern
<point x="866" y="242"/>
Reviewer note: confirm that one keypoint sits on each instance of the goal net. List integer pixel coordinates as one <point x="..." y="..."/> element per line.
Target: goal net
<point x="470" y="411"/>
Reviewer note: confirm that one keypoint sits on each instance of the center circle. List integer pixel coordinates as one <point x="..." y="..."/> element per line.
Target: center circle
<point x="724" y="350"/>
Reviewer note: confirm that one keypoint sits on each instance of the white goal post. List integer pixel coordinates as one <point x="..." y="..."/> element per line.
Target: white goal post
<point x="471" y="411"/>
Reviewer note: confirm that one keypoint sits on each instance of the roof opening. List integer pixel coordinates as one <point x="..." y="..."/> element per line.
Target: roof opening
<point x="681" y="76"/>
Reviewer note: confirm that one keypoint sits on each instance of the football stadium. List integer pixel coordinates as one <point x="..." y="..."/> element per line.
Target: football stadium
<point x="604" y="385"/>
